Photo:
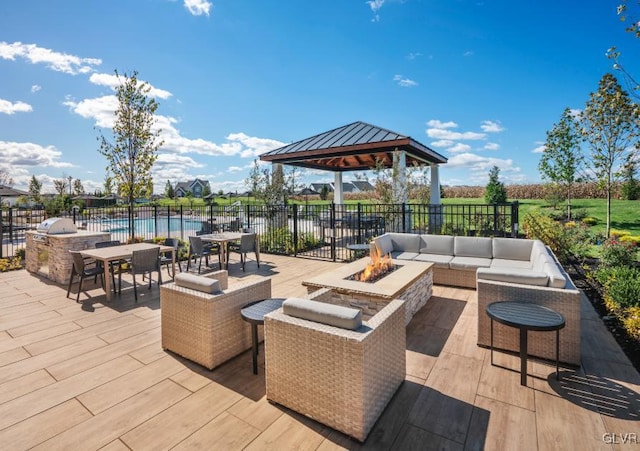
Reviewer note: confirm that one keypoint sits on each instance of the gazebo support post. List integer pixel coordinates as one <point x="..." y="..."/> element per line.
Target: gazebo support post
<point x="400" y="194"/>
<point x="338" y="196"/>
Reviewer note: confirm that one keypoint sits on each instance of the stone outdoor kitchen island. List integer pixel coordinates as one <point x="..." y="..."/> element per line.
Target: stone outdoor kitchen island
<point x="409" y="281"/>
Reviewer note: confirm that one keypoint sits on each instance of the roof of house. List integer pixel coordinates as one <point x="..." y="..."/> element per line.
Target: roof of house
<point x="363" y="185"/>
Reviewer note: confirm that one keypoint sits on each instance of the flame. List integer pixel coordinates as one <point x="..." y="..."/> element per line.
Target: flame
<point x="378" y="266"/>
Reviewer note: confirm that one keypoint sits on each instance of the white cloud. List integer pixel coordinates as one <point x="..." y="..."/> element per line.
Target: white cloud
<point x="26" y="155"/>
<point x="198" y="7"/>
<point x="443" y="143"/>
<point x="438" y="133"/>
<point x="459" y="147"/>
<point x="467" y="53"/>
<point x="404" y="82"/>
<point x="60" y="62"/>
<point x="112" y="81"/>
<point x="36" y="88"/>
<point x="101" y="109"/>
<point x="491" y="146"/>
<point x="478" y="168"/>
<point x="491" y="127"/>
<point x="254" y="146"/>
<point x="413" y="55"/>
<point x="375" y="6"/>
<point x="435" y="123"/>
<point x="7" y="107"/>
<point x="541" y="148"/>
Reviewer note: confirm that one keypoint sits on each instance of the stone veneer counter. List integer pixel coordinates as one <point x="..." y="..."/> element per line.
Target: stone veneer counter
<point x="412" y="282"/>
<point x="48" y="255"/>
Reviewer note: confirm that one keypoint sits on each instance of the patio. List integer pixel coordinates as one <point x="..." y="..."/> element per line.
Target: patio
<point x="93" y="375"/>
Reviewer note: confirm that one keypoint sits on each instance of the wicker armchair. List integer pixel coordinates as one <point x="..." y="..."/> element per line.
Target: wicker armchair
<point x="207" y="328"/>
<point x="341" y="378"/>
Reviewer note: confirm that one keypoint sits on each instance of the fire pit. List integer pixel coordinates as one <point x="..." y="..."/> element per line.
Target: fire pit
<point x="410" y="281"/>
<point x="379" y="267"/>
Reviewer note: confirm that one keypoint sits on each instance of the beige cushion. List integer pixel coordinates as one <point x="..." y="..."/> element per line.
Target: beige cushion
<point x="514" y="275"/>
<point x="321" y="312"/>
<point x="441" y="261"/>
<point x="402" y="255"/>
<point x="467" y="263"/>
<point x="198" y="283"/>
<point x="384" y="244"/>
<point x="502" y="263"/>
<point x="405" y="242"/>
<point x="512" y="248"/>
<point x="471" y="246"/>
<point x="556" y="277"/>
<point x="436" y="244"/>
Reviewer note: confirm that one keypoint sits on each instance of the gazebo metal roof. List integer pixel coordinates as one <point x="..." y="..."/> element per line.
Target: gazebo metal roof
<point x="356" y="146"/>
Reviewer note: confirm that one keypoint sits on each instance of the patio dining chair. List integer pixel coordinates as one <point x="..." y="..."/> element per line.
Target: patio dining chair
<point x="165" y="257"/>
<point x="198" y="250"/>
<point x="247" y="244"/>
<point x="81" y="270"/>
<point x="145" y="262"/>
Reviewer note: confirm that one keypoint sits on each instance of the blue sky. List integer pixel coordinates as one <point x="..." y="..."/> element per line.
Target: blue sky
<point x="478" y="81"/>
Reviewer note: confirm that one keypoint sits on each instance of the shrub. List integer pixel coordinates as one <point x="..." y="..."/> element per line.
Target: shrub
<point x="633" y="239"/>
<point x="21" y="253"/>
<point x="631" y="322"/>
<point x="541" y="227"/>
<point x="617" y="253"/>
<point x="10" y="264"/>
<point x="590" y="221"/>
<point x="622" y="289"/>
<point x="581" y="240"/>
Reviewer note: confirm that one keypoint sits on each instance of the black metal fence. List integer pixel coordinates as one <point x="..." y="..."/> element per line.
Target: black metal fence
<point x="317" y="230"/>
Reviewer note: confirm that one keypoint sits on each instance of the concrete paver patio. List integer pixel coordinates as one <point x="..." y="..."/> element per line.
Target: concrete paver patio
<point x="94" y="376"/>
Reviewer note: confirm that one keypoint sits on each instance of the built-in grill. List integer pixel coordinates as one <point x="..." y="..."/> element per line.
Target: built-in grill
<point x="56" y="226"/>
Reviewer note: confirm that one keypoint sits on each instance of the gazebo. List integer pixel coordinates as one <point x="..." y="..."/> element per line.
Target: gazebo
<point x="355" y="147"/>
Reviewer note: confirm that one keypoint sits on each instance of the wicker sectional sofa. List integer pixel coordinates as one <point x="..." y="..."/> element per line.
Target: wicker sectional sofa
<point x="501" y="269"/>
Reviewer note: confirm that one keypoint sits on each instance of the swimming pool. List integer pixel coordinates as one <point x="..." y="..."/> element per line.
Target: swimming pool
<point x="161" y="226"/>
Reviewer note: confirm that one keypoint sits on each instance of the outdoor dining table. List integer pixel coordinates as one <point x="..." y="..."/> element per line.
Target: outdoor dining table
<point x="223" y="240"/>
<point x="125" y="251"/>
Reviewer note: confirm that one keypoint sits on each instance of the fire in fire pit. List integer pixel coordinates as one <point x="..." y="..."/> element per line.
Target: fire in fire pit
<point x="379" y="267"/>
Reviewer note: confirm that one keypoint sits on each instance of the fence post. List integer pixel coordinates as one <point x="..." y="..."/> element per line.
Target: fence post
<point x="404" y="218"/>
<point x="181" y="223"/>
<point x="2" y="232"/>
<point x="247" y="214"/>
<point x="359" y="224"/>
<point x="515" y="214"/>
<point x="295" y="230"/>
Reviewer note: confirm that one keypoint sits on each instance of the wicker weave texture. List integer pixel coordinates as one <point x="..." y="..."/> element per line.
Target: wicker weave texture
<point x="208" y="328"/>
<point x="341" y="378"/>
<point x="541" y="344"/>
<point x="454" y="277"/>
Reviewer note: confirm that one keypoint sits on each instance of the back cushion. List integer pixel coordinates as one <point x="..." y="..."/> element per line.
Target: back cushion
<point x="321" y="312"/>
<point x="405" y="242"/>
<point x="512" y="249"/>
<point x="384" y="244"/>
<point x="436" y="244"/>
<point x="471" y="246"/>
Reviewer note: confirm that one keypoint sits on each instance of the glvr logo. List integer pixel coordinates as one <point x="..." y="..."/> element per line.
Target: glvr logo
<point x="613" y="438"/>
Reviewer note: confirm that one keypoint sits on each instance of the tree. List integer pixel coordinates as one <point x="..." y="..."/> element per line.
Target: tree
<point x="35" y="186"/>
<point x="562" y="157"/>
<point x="169" y="192"/>
<point x="60" y="185"/>
<point x="78" y="189"/>
<point x="495" y="191"/>
<point x="133" y="148"/>
<point x="324" y="192"/>
<point x="108" y="184"/>
<point x="630" y="18"/>
<point x="610" y="124"/>
<point x="206" y="190"/>
<point x="5" y="178"/>
<point x="630" y="185"/>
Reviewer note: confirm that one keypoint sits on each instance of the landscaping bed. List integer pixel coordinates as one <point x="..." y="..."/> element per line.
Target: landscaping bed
<point x="579" y="273"/>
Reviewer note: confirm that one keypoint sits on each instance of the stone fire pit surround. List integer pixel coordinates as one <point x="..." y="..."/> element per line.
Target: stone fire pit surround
<point x="411" y="282"/>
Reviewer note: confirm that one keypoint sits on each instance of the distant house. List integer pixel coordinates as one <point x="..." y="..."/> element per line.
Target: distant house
<point x="363" y="185"/>
<point x="195" y="187"/>
<point x="318" y="186"/>
<point x="9" y="195"/>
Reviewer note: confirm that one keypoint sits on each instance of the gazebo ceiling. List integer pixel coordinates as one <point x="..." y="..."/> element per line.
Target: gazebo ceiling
<point x="353" y="147"/>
